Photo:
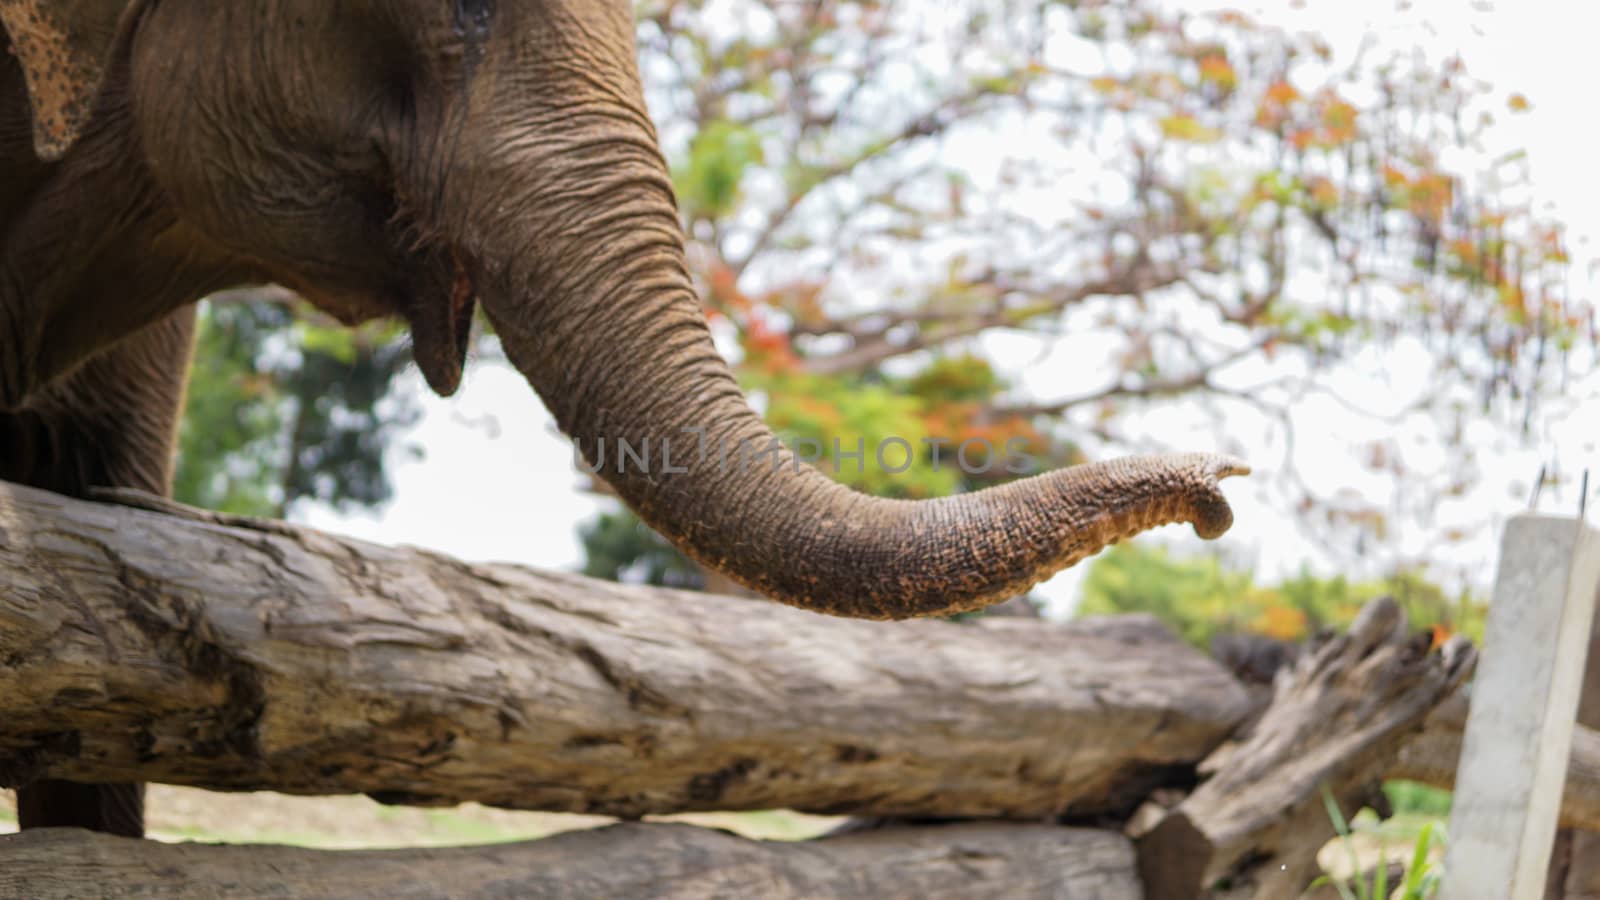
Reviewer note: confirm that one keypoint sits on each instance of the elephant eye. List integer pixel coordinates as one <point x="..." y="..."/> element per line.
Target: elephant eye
<point x="472" y="18"/>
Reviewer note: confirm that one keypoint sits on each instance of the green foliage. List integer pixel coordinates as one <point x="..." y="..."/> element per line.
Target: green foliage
<point x="847" y="414"/>
<point x="228" y="445"/>
<point x="1200" y="598"/>
<point x="1423" y="875"/>
<point x="708" y="182"/>
<point x="963" y="378"/>
<point x="280" y="409"/>
<point x="345" y="414"/>
<point x="1408" y="798"/>
<point x="619" y="547"/>
<point x="933" y="412"/>
<point x="1195" y="597"/>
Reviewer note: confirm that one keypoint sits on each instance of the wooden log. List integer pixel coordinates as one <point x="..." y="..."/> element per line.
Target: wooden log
<point x="1430" y="758"/>
<point x="1575" y="865"/>
<point x="633" y="860"/>
<point x="194" y="649"/>
<point x="1337" y="719"/>
<point x="1524" y="704"/>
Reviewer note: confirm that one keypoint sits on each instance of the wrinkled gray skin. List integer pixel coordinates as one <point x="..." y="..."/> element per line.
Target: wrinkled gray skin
<point x="411" y="158"/>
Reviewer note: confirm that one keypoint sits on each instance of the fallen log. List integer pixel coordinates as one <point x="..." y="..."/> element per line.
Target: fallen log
<point x="1430" y="758"/>
<point x="633" y="860"/>
<point x="188" y="648"/>
<point x="1337" y="720"/>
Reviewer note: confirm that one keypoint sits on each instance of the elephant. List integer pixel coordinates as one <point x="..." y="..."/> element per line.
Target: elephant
<point x="413" y="160"/>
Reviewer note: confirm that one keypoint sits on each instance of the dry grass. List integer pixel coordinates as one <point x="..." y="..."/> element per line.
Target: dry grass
<point x="177" y="814"/>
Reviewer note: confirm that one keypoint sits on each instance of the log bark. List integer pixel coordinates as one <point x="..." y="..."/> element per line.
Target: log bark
<point x="1430" y="758"/>
<point x="1575" y="868"/>
<point x="189" y="648"/>
<point x="658" y="861"/>
<point x="1337" y="720"/>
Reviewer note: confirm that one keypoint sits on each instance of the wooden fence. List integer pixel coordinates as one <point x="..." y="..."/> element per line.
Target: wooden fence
<point x="172" y="645"/>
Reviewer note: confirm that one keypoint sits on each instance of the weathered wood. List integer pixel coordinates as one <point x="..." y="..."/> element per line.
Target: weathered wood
<point x="1576" y="876"/>
<point x="1573" y="873"/>
<point x="1430" y="758"/>
<point x="1524" y="702"/>
<point x="658" y="861"/>
<point x="1582" y="880"/>
<point x="1338" y="717"/>
<point x="192" y="649"/>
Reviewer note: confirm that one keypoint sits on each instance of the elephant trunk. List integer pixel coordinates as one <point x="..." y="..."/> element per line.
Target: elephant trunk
<point x="581" y="269"/>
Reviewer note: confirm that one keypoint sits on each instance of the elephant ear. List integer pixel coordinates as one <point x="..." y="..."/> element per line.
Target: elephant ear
<point x="63" y="46"/>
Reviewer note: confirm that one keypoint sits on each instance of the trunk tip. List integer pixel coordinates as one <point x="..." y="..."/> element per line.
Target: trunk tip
<point x="1211" y="514"/>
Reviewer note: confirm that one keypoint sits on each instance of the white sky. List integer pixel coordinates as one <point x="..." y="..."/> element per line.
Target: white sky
<point x="498" y="483"/>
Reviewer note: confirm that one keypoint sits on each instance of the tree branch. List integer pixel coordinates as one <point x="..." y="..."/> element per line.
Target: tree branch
<point x="1159" y="387"/>
<point x="876" y="348"/>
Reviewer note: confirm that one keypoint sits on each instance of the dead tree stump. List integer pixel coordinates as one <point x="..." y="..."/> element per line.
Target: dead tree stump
<point x="1337" y="719"/>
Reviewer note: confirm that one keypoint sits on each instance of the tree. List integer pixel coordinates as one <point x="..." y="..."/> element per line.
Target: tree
<point x="1202" y="598"/>
<point x="282" y="406"/>
<point x="619" y="547"/>
<point x="885" y="200"/>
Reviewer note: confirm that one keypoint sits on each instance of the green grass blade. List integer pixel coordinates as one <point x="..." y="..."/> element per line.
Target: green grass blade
<point x="1363" y="890"/>
<point x="1380" y="878"/>
<point x="1334" y="813"/>
<point x="1419" y="864"/>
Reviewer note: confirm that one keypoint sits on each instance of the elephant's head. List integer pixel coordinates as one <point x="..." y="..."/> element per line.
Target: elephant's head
<point x="413" y="158"/>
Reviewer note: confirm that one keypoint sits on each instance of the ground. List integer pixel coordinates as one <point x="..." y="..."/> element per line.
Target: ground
<point x="177" y="814"/>
<point x="180" y="814"/>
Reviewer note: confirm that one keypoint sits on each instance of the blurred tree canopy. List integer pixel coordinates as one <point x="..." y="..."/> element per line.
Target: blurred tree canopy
<point x="1202" y="598"/>
<point x="284" y="406"/>
<point x="889" y="202"/>
<point x="619" y="547"/>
